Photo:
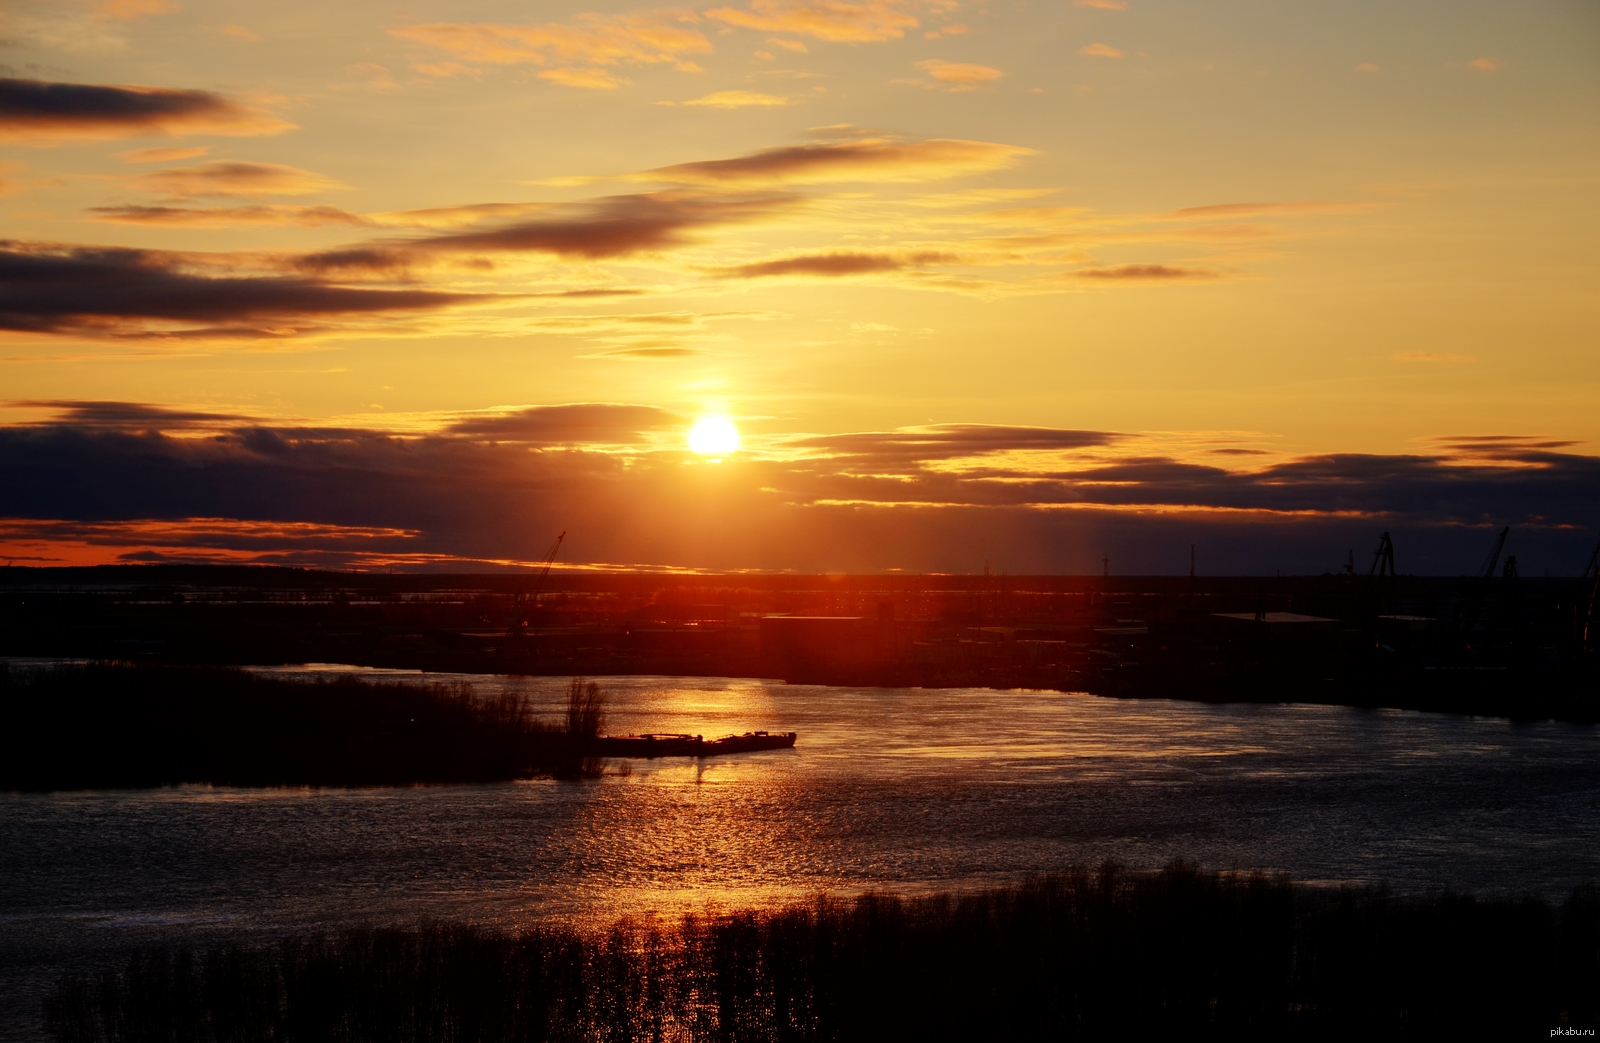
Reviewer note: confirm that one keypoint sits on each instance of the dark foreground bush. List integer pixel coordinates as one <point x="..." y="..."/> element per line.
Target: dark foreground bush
<point x="1178" y="954"/>
<point x="122" y="724"/>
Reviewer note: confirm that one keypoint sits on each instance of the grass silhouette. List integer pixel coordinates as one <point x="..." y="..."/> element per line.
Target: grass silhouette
<point x="113" y="724"/>
<point x="1083" y="955"/>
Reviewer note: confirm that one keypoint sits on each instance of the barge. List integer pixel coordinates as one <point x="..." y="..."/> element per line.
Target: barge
<point x="659" y="745"/>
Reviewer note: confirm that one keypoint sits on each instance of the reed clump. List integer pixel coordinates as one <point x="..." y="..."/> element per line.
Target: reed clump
<point x="114" y="724"/>
<point x="586" y="718"/>
<point x="1082" y="955"/>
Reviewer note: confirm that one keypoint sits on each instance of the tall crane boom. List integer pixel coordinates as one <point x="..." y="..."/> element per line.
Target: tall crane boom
<point x="1383" y="560"/>
<point x="1589" y="593"/>
<point x="522" y="600"/>
<point x="1467" y="613"/>
<point x="549" y="559"/>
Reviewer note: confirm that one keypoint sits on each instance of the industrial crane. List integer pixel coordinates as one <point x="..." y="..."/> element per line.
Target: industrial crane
<point x="1588" y="592"/>
<point x="1383" y="560"/>
<point x="517" y="622"/>
<point x="1467" y="612"/>
<point x="549" y="559"/>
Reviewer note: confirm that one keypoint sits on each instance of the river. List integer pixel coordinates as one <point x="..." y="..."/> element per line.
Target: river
<point x="891" y="789"/>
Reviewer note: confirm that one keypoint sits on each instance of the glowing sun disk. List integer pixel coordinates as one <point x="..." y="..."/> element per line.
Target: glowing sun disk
<point x="714" y="436"/>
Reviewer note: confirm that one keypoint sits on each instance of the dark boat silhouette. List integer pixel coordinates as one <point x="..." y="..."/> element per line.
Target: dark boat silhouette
<point x="660" y="745"/>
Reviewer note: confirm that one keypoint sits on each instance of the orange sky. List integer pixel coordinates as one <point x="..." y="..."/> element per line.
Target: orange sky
<point x="1136" y="259"/>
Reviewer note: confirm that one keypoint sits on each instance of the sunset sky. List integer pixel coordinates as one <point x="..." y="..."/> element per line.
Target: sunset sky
<point x="421" y="285"/>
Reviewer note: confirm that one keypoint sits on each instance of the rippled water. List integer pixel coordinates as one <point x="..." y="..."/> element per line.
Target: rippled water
<point x="888" y="788"/>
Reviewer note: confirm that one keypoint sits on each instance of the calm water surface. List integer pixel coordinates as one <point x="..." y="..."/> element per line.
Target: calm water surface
<point x="902" y="789"/>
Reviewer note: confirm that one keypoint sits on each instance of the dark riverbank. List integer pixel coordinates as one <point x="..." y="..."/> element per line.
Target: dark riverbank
<point x="119" y="725"/>
<point x="1504" y="645"/>
<point x="1081" y="955"/>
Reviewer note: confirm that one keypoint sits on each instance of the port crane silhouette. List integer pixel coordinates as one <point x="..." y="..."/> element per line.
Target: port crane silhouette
<point x="517" y="603"/>
<point x="1589" y="592"/>
<point x="1472" y="605"/>
<point x="1383" y="560"/>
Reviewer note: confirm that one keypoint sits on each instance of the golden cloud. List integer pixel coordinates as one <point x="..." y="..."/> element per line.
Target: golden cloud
<point x="740" y="100"/>
<point x="575" y="51"/>
<point x="866" y="159"/>
<point x="958" y="73"/>
<point x="614" y="226"/>
<point x="235" y="179"/>
<point x="1144" y="273"/>
<point x="589" y="79"/>
<point x="834" y="264"/>
<point x="1100" y="50"/>
<point x="128" y="10"/>
<point x="832" y="20"/>
<point x="227" y="217"/>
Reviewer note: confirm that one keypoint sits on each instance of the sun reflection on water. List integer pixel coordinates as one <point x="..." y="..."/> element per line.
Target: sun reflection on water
<point x="903" y="790"/>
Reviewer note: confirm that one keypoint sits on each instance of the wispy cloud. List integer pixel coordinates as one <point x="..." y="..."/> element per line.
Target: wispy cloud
<point x="866" y="159"/>
<point x="224" y="178"/>
<point x="1100" y="50"/>
<point x="580" y="53"/>
<point x="1102" y="5"/>
<point x="34" y="111"/>
<point x="740" y="100"/>
<point x="695" y="236"/>
<point x="227" y="217"/>
<point x="833" y="264"/>
<point x="581" y="423"/>
<point x="615" y="226"/>
<point x="958" y="73"/>
<point x="131" y="10"/>
<point x="1484" y="64"/>
<point x="832" y="20"/>
<point x="1143" y="273"/>
<point x="937" y="442"/>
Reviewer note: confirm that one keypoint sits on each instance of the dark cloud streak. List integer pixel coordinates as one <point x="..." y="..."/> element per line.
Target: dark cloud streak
<point x="34" y="108"/>
<point x="84" y="289"/>
<point x="834" y="264"/>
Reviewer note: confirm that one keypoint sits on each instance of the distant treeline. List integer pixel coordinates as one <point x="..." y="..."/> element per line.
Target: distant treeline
<point x="110" y="724"/>
<point x="1177" y="954"/>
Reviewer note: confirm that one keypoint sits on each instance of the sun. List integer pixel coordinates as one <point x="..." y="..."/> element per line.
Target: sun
<point x="714" y="436"/>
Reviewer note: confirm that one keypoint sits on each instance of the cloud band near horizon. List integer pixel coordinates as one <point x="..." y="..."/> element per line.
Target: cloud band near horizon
<point x="483" y="488"/>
